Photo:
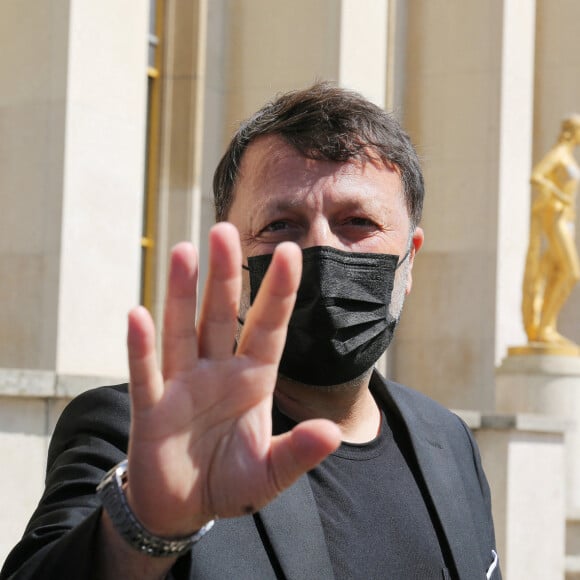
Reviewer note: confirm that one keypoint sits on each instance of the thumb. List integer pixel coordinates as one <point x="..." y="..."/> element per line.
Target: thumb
<point x="300" y="450"/>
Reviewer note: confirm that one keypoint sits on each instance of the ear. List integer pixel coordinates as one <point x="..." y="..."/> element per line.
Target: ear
<point x="416" y="243"/>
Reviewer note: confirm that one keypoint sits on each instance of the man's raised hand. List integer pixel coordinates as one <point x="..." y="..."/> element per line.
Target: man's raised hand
<point x="201" y="443"/>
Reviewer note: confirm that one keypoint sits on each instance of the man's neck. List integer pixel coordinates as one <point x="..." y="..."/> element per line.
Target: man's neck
<point x="351" y="406"/>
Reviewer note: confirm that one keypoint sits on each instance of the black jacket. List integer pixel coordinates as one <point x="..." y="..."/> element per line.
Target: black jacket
<point x="283" y="540"/>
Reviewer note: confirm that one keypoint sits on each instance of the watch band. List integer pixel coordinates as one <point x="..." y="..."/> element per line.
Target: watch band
<point x="111" y="493"/>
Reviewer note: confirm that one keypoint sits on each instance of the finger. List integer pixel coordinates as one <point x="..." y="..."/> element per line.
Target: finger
<point x="264" y="332"/>
<point x="146" y="383"/>
<point x="179" y="335"/>
<point x="300" y="450"/>
<point x="218" y="318"/>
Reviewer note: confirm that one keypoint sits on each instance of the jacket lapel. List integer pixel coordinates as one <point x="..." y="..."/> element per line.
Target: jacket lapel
<point x="295" y="532"/>
<point x="293" y="525"/>
<point x="441" y="475"/>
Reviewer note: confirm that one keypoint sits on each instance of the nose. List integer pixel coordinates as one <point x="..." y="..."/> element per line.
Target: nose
<point x="320" y="233"/>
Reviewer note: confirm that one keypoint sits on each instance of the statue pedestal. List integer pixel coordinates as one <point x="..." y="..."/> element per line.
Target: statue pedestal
<point x="545" y="349"/>
<point x="523" y="457"/>
<point x="546" y="384"/>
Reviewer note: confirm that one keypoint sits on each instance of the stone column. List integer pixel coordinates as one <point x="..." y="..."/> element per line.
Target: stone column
<point x="72" y="111"/>
<point x="72" y="121"/>
<point x="102" y="194"/>
<point x="468" y="105"/>
<point x="183" y="164"/>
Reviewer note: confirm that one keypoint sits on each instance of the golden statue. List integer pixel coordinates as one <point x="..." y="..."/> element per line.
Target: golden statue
<point x="552" y="264"/>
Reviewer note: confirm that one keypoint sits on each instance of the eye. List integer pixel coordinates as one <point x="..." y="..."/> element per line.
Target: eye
<point x="360" y="221"/>
<point x="280" y="230"/>
<point x="276" y="226"/>
<point x="357" y="227"/>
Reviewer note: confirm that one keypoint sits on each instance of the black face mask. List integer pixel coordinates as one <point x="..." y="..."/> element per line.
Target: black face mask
<point x="341" y="324"/>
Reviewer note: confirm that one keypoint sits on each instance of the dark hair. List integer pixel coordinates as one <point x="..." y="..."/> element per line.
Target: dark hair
<point x="328" y="123"/>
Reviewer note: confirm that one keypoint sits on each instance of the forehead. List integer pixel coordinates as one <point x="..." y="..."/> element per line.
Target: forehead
<point x="272" y="168"/>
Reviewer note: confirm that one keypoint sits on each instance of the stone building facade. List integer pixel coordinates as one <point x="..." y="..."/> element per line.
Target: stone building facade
<point x="113" y="115"/>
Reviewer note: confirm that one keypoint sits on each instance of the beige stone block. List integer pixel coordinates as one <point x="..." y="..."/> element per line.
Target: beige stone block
<point x="573" y="543"/>
<point x="454" y="372"/>
<point x="524" y="464"/>
<point x="444" y="115"/>
<point x="31" y="154"/>
<point x="27" y="324"/>
<point x="444" y="344"/>
<point x="453" y="34"/>
<point x="556" y="32"/>
<point x="451" y="298"/>
<point x="183" y="24"/>
<point x="108" y="57"/>
<point x="266" y="55"/>
<point x="26" y="383"/>
<point x="556" y="96"/>
<point x="217" y="46"/>
<point x="569" y="319"/>
<point x="34" y="40"/>
<point x="467" y="95"/>
<point x="462" y="191"/>
<point x="265" y="43"/>
<point x="69" y="386"/>
<point x="31" y="157"/>
<point x="215" y="139"/>
<point x="548" y="385"/>
<point x="183" y="92"/>
<point x="23" y="450"/>
<point x="99" y="276"/>
<point x="363" y="32"/>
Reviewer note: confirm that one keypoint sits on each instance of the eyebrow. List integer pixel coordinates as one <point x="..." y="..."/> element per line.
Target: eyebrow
<point x="360" y="202"/>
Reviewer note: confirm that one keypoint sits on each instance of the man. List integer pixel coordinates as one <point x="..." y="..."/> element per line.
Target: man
<point x="401" y="493"/>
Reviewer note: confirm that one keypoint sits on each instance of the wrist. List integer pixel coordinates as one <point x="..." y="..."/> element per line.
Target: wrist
<point x="157" y="520"/>
<point x="112" y="494"/>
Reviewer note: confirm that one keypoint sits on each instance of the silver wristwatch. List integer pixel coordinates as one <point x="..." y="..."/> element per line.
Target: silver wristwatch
<point x="111" y="493"/>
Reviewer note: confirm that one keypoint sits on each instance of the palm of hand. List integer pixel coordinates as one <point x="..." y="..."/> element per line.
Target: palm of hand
<point x="201" y="442"/>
